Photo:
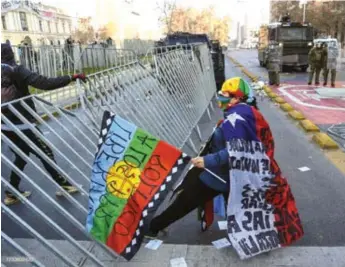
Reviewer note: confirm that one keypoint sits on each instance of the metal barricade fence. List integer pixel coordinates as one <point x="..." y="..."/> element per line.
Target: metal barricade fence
<point x="54" y="61"/>
<point x="65" y="145"/>
<point x="169" y="99"/>
<point x="140" y="47"/>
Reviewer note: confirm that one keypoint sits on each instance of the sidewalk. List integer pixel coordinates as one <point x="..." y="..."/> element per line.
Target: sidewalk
<point x="194" y="255"/>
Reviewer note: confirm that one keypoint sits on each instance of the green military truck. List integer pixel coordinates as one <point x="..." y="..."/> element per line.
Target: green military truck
<point x="294" y="38"/>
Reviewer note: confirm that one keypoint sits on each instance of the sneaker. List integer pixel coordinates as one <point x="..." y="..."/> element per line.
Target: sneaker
<point x="309" y="83"/>
<point x="317" y="83"/>
<point x="333" y="85"/>
<point x="324" y="84"/>
<point x="12" y="199"/>
<point x="69" y="189"/>
<point x="151" y="234"/>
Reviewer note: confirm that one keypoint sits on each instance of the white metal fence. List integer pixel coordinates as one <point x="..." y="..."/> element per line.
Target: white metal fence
<point x="140" y="47"/>
<point x="168" y="94"/>
<point x="72" y="144"/>
<point x="54" y="61"/>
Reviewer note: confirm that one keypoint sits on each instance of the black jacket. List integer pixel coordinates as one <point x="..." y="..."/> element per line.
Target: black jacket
<point x="22" y="79"/>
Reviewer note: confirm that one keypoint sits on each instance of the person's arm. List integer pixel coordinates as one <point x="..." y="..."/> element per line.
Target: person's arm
<point x="326" y="57"/>
<point x="45" y="83"/>
<point x="219" y="157"/>
<point x="216" y="159"/>
<point x="310" y="56"/>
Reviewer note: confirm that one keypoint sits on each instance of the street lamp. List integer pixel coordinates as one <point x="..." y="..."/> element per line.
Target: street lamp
<point x="304" y="3"/>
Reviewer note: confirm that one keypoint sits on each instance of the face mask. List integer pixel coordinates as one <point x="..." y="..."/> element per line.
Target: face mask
<point x="223" y="102"/>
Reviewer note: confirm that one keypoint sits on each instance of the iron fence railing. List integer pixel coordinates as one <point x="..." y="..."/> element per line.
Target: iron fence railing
<point x="169" y="94"/>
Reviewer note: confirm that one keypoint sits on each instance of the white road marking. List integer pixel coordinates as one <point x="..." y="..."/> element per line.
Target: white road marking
<point x="298" y="101"/>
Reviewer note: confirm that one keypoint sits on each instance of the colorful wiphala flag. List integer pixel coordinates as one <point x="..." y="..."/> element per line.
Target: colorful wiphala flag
<point x="132" y="173"/>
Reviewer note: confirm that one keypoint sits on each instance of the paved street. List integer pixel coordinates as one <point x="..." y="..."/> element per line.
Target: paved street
<point x="324" y="106"/>
<point x="319" y="192"/>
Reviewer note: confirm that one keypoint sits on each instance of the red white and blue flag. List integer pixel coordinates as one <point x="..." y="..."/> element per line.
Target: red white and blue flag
<point x="261" y="211"/>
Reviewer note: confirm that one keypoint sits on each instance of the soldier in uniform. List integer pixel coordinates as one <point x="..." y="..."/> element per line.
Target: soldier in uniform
<point x="330" y="63"/>
<point x="274" y="63"/>
<point x="316" y="60"/>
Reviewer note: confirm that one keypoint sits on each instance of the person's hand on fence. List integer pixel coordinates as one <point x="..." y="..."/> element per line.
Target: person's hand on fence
<point x="198" y="162"/>
<point x="80" y="76"/>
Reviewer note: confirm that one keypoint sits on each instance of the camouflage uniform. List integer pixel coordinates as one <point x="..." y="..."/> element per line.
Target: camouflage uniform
<point x="330" y="64"/>
<point x="274" y="58"/>
<point x="316" y="59"/>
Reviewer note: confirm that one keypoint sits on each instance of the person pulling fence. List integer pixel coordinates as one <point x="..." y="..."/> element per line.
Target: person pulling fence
<point x="15" y="82"/>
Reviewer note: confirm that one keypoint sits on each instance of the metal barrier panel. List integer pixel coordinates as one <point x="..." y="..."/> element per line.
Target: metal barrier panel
<point x="140" y="47"/>
<point x="169" y="97"/>
<point x="168" y="94"/>
<point x="64" y="147"/>
<point x="53" y="61"/>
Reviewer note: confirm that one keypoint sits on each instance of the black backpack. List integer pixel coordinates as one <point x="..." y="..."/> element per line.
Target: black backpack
<point x="9" y="91"/>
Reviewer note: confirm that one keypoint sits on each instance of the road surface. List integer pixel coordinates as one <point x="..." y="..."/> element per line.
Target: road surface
<point x="324" y="106"/>
<point x="319" y="192"/>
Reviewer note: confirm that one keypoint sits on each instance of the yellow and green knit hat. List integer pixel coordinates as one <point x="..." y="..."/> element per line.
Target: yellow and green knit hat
<point x="236" y="87"/>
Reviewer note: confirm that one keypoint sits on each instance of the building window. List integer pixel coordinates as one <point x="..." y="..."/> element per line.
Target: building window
<point x="49" y="27"/>
<point x="63" y="27"/>
<point x="59" y="43"/>
<point x="57" y="27"/>
<point x="23" y="21"/>
<point x="40" y="25"/>
<point x="51" y="42"/>
<point x="3" y="21"/>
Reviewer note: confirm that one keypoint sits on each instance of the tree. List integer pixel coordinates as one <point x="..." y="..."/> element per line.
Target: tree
<point x="167" y="9"/>
<point x="108" y="30"/>
<point x="199" y="21"/>
<point x="84" y="33"/>
<point x="327" y="17"/>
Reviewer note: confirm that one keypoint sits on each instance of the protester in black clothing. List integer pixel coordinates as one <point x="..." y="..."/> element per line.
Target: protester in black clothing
<point x="15" y="81"/>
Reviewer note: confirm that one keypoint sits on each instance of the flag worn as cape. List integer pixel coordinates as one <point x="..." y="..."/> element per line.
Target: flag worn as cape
<point x="261" y="213"/>
<point x="132" y="173"/>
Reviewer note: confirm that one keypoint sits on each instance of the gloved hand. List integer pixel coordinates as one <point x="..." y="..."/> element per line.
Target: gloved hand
<point x="80" y="76"/>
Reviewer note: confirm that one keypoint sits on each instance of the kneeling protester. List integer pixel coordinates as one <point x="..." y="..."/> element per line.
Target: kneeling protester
<point x="261" y="211"/>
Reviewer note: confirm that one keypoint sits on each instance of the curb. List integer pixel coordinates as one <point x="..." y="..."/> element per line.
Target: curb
<point x="272" y="95"/>
<point x="279" y="100"/>
<point x="286" y="107"/>
<point x="267" y="89"/>
<point x="308" y="126"/>
<point x="323" y="140"/>
<point x="296" y="115"/>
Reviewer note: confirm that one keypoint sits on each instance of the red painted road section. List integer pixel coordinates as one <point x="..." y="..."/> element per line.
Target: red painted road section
<point x="317" y="108"/>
